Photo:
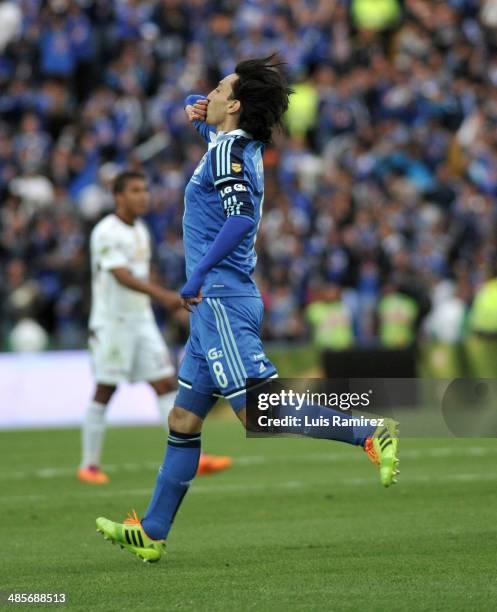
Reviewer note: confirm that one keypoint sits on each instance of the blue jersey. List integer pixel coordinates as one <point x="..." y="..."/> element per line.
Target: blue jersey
<point x="229" y="180"/>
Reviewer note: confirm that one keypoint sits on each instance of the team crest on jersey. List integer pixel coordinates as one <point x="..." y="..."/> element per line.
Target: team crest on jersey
<point x="236" y="167"/>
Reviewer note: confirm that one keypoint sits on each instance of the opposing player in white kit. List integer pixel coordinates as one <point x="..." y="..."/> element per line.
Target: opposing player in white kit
<point x="125" y="342"/>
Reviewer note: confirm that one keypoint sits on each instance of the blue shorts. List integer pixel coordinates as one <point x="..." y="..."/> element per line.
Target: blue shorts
<point x="224" y="350"/>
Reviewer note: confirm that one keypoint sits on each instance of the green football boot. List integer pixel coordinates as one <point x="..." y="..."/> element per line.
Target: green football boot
<point x="130" y="535"/>
<point x="382" y="449"/>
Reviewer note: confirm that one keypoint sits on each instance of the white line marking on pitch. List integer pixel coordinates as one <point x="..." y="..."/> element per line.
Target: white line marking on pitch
<point x="433" y="453"/>
<point x="269" y="486"/>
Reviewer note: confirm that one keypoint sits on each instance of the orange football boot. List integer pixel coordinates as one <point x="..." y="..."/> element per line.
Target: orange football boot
<point x="209" y="464"/>
<point x="92" y="475"/>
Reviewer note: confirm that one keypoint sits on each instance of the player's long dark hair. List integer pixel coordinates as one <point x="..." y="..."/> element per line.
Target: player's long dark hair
<point x="263" y="91"/>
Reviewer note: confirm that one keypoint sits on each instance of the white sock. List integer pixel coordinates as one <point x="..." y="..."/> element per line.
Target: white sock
<point x="166" y="404"/>
<point x="92" y="434"/>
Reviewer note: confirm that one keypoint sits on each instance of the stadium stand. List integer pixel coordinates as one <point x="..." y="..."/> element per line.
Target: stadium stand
<point x="386" y="173"/>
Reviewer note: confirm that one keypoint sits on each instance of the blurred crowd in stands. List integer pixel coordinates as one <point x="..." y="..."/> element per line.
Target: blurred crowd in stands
<point x="380" y="204"/>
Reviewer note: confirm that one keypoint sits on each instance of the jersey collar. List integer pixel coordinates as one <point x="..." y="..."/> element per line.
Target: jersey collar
<point x="238" y="132"/>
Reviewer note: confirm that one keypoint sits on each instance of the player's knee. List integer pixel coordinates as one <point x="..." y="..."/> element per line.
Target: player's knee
<point x="184" y="421"/>
<point x="103" y="393"/>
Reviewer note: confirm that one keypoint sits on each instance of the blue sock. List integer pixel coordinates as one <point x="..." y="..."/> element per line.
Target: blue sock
<point x="355" y="435"/>
<point x="175" y="474"/>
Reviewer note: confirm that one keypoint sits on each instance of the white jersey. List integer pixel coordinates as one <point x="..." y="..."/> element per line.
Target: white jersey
<point x="115" y="244"/>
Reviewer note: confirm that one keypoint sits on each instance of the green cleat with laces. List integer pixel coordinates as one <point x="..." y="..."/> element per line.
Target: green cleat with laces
<point x="130" y="535"/>
<point x="382" y="449"/>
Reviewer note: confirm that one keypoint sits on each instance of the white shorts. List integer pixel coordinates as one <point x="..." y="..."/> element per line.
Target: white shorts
<point x="131" y="351"/>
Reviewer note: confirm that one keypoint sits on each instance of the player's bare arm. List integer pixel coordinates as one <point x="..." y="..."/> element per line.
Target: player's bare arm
<point x="165" y="297"/>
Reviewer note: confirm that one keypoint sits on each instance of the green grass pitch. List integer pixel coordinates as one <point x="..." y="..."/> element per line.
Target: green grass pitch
<point x="296" y="524"/>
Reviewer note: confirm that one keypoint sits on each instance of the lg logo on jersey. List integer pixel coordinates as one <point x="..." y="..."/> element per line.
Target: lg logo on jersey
<point x="229" y="189"/>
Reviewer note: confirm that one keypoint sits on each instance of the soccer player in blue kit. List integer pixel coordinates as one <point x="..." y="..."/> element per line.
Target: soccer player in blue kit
<point x="223" y="208"/>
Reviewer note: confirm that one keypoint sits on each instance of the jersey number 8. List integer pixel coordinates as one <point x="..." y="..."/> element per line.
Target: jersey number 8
<point x="222" y="380"/>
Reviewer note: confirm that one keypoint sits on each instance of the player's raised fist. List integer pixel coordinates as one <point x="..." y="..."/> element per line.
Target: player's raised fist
<point x="196" y="108"/>
<point x="197" y="112"/>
